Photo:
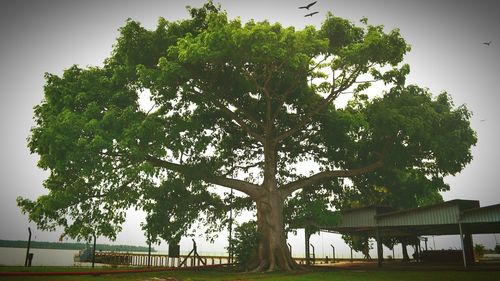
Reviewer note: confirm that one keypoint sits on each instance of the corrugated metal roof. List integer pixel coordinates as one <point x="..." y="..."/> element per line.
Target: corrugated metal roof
<point x="363" y="216"/>
<point x="435" y="219"/>
<point x="442" y="213"/>
<point x="481" y="215"/>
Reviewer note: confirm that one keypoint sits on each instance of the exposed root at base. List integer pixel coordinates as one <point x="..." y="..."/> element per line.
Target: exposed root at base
<point x="267" y="266"/>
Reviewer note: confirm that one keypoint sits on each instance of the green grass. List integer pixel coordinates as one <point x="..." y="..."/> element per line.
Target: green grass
<point x="221" y="274"/>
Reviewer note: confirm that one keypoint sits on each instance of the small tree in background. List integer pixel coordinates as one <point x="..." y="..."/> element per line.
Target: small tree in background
<point x="244" y="244"/>
<point x="479" y="250"/>
<point x="497" y="249"/>
<point x="311" y="210"/>
<point x="359" y="243"/>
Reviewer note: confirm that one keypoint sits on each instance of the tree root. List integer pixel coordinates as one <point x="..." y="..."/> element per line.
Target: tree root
<point x="271" y="265"/>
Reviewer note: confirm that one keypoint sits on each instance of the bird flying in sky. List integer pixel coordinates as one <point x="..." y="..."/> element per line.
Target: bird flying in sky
<point x="487" y="43"/>
<point x="311" y="14"/>
<point x="308" y="5"/>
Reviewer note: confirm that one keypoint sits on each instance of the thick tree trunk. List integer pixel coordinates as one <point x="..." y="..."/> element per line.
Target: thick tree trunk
<point x="272" y="253"/>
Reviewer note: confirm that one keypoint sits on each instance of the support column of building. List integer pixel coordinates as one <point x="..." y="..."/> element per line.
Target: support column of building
<point x="469" y="248"/>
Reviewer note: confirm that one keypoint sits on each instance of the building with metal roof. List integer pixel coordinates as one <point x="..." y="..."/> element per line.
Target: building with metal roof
<point x="461" y="217"/>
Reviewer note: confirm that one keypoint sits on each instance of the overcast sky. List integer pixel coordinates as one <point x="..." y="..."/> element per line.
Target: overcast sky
<point x="49" y="36"/>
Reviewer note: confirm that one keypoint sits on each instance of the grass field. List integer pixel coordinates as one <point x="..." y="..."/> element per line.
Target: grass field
<point x="224" y="274"/>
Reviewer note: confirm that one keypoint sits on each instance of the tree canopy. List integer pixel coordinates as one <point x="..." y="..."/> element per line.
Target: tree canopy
<point x="233" y="105"/>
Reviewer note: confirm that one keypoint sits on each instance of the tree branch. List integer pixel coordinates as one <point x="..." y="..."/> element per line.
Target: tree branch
<point x="233" y="116"/>
<point x="250" y="189"/>
<point x="309" y="182"/>
<point x="246" y="168"/>
<point x="102" y="194"/>
<point x="367" y="81"/>
<point x="249" y="116"/>
<point x="292" y="87"/>
<point x="239" y="121"/>
<point x="320" y="106"/>
<point x="283" y="98"/>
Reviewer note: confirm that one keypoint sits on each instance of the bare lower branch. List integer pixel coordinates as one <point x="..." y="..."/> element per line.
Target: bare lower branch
<point x="310" y="182"/>
<point x="250" y="189"/>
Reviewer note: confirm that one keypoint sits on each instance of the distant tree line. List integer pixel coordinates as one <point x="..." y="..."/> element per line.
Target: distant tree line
<point x="71" y="246"/>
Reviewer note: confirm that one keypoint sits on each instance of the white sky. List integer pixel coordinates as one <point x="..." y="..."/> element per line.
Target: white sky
<point x="49" y="36"/>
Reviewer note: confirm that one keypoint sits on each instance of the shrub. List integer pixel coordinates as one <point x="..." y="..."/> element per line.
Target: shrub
<point x="479" y="250"/>
<point x="245" y="242"/>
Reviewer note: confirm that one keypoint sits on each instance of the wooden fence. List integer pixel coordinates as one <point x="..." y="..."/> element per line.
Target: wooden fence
<point x="155" y="260"/>
<point x="159" y="260"/>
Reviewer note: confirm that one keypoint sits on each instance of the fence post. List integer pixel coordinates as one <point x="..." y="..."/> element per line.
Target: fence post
<point x="333" y="253"/>
<point x="28" y="248"/>
<point x="93" y="251"/>
<point x="313" y="255"/>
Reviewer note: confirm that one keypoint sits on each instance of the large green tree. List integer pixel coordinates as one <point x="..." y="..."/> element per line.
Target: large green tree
<point x="234" y="105"/>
